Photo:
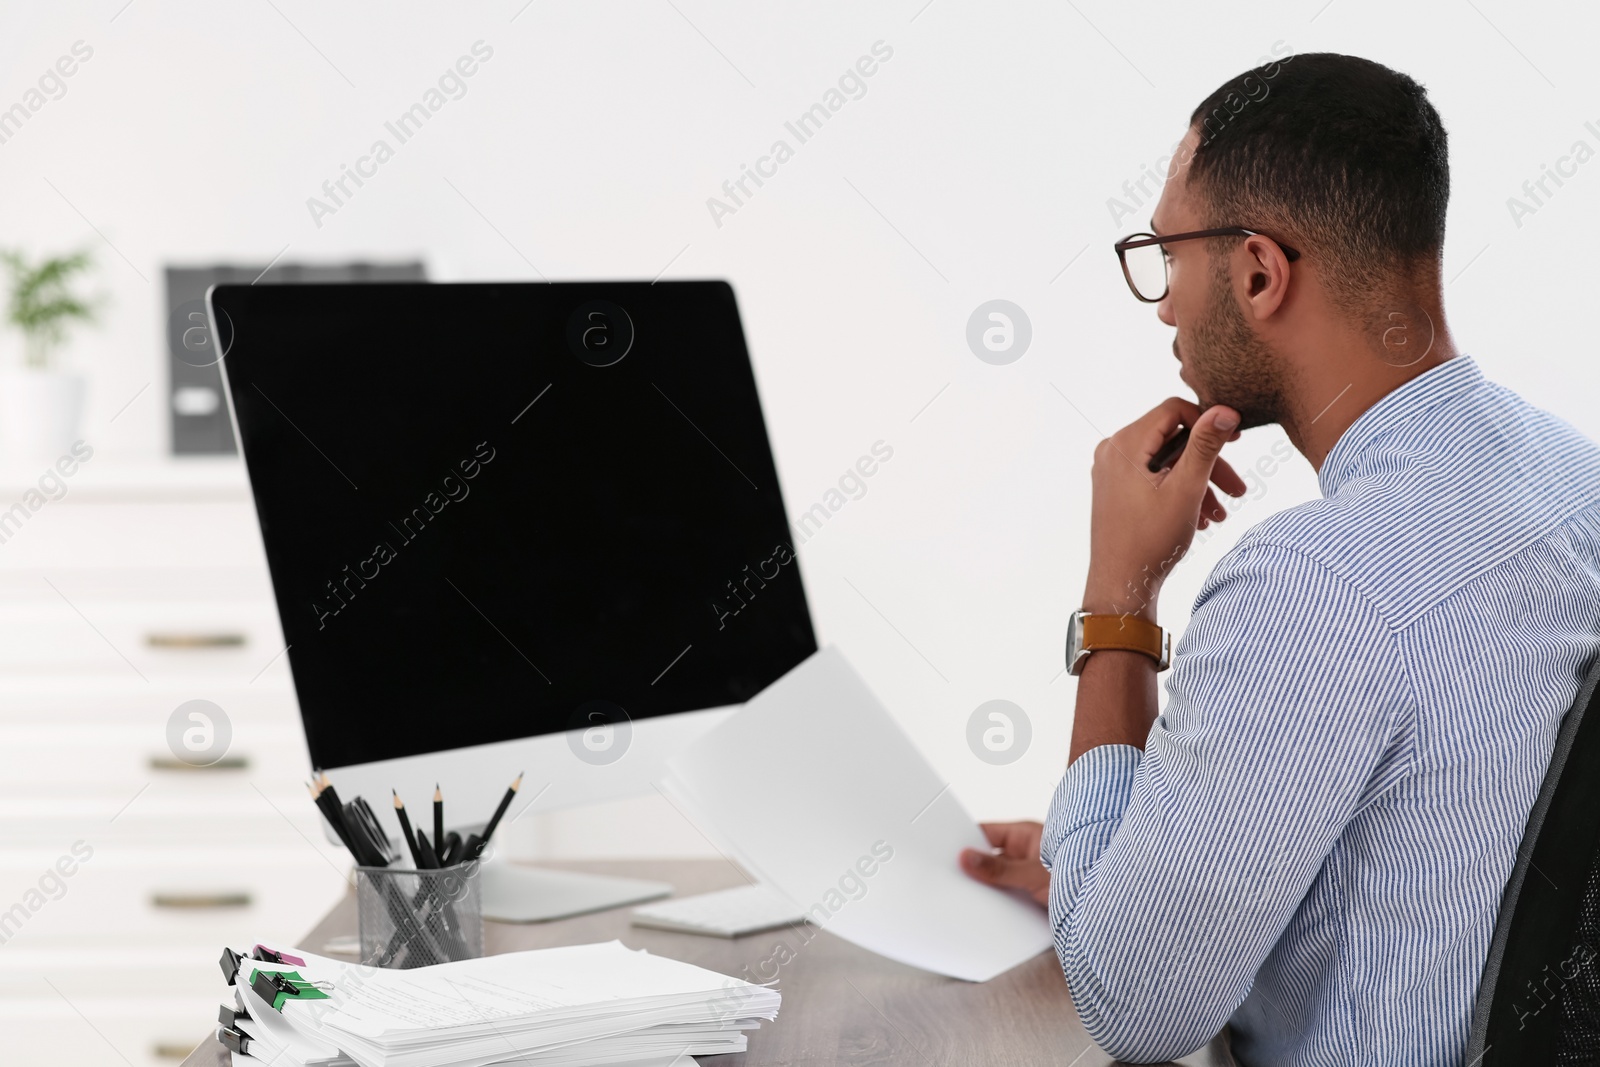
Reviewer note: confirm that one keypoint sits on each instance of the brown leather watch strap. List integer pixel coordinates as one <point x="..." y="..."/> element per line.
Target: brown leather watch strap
<point x="1125" y="632"/>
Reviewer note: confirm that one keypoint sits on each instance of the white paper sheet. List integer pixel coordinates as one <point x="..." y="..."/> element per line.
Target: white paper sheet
<point x="493" y="992"/>
<point x="815" y="787"/>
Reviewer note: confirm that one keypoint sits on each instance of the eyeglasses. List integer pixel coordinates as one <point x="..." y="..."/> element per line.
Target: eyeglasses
<point x="1144" y="261"/>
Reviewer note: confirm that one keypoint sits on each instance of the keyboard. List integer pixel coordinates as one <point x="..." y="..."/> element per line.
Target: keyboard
<point x="726" y="913"/>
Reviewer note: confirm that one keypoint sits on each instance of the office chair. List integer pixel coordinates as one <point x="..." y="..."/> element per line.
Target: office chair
<point x="1539" y="1000"/>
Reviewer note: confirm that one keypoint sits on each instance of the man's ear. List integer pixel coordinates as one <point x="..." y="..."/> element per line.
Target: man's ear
<point x="1266" y="282"/>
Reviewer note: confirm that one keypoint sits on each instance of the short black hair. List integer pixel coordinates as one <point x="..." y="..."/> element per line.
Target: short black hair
<point x="1335" y="155"/>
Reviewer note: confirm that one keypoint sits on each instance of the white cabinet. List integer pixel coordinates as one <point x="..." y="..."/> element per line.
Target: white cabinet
<point x="123" y="869"/>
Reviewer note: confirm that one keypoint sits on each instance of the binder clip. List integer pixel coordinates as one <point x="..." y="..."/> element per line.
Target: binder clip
<point x="275" y="987"/>
<point x="230" y="965"/>
<point x="268" y="955"/>
<point x="271" y="987"/>
<point x="228" y="1016"/>
<point x="234" y="1041"/>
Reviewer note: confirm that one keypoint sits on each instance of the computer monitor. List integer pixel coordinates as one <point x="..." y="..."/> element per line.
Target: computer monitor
<point x="511" y="527"/>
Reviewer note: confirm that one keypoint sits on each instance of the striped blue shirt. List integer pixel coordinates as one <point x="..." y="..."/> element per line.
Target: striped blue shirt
<point x="1313" y="843"/>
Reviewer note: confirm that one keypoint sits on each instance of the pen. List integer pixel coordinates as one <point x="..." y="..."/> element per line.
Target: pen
<point x="435" y="909"/>
<point x="367" y="841"/>
<point x="1167" y="454"/>
<point x="368" y="833"/>
<point x="427" y="856"/>
<point x="438" y="823"/>
<point x="405" y="830"/>
<point x="494" y="820"/>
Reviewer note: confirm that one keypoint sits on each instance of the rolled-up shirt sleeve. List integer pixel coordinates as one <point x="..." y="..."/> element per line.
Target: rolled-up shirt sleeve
<point x="1175" y="870"/>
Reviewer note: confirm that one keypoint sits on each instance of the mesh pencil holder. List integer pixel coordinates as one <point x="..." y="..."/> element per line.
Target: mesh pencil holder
<point x="411" y="918"/>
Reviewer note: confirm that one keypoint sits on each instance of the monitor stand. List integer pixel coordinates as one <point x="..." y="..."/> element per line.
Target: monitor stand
<point x="513" y="893"/>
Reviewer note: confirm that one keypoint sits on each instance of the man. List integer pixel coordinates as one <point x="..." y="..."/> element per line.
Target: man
<point x="1311" y="841"/>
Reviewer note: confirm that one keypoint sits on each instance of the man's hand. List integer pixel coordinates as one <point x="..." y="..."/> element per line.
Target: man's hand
<point x="1017" y="866"/>
<point x="1143" y="523"/>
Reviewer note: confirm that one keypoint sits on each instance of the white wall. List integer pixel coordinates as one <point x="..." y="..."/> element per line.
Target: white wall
<point x="977" y="165"/>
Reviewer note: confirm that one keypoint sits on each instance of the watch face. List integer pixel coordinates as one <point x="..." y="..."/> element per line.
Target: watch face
<point x="1074" y="641"/>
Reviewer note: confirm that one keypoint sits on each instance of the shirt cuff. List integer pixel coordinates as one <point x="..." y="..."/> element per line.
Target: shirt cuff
<point x="1088" y="805"/>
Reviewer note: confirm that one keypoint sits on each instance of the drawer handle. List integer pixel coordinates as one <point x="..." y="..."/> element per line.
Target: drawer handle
<point x="226" y="763"/>
<point x="171" y="1050"/>
<point x="216" y="640"/>
<point x="198" y="901"/>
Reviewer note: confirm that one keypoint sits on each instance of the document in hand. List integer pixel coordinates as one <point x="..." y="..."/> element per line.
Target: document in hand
<point x="560" y="1007"/>
<point x="814" y="787"/>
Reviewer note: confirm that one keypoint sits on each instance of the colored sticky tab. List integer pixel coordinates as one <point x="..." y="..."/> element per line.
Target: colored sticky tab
<point x="268" y="955"/>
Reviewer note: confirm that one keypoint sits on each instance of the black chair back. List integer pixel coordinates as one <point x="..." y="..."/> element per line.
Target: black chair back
<point x="1539" y="1000"/>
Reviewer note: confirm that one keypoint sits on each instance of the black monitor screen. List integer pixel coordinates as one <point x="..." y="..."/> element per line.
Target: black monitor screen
<point x="493" y="511"/>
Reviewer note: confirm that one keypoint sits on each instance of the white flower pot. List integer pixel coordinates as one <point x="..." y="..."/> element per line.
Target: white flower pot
<point x="40" y="412"/>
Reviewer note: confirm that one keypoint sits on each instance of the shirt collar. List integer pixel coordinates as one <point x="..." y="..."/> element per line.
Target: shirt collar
<point x="1427" y="390"/>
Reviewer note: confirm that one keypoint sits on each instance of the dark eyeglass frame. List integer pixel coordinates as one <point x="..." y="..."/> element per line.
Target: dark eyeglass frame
<point x="1141" y="240"/>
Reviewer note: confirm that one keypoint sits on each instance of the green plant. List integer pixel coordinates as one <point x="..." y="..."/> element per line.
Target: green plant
<point x="43" y="305"/>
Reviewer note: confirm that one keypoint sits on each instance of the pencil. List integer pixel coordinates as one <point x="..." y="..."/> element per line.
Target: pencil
<point x="339" y="829"/>
<point x="405" y="830"/>
<point x="327" y="787"/>
<point x="438" y="823"/>
<point x="327" y="802"/>
<point x="494" y="820"/>
<point x="330" y="796"/>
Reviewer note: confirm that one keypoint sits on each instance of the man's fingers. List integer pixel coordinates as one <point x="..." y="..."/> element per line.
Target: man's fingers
<point x="1226" y="478"/>
<point x="1152" y="429"/>
<point x="1003" y="871"/>
<point x="1209" y="433"/>
<point x="1013" y="838"/>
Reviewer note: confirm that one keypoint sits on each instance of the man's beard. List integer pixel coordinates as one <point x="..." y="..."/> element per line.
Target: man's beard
<point x="1228" y="364"/>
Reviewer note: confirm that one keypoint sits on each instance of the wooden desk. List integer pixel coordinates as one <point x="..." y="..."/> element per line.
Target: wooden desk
<point x="841" y="1004"/>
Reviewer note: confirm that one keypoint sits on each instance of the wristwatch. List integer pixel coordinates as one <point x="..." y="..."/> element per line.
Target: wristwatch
<point x="1090" y="633"/>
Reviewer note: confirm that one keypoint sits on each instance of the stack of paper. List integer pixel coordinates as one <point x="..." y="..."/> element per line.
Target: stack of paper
<point x="561" y="1007"/>
<point x="814" y="788"/>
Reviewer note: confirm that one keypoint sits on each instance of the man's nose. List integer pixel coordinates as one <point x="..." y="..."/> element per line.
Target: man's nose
<point x="1164" y="310"/>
